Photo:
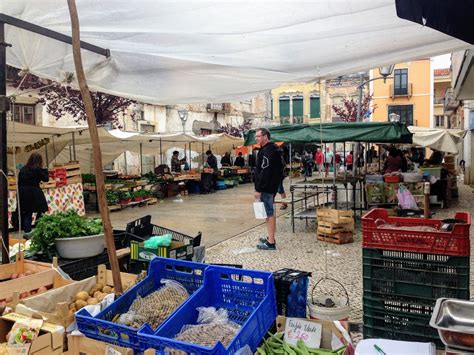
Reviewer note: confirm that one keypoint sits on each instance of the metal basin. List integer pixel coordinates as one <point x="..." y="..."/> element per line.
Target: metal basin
<point x="454" y="320"/>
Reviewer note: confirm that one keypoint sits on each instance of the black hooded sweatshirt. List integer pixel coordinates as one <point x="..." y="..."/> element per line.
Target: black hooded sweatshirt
<point x="269" y="170"/>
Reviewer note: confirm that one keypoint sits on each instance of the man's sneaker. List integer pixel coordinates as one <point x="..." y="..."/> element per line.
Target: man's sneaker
<point x="263" y="240"/>
<point x="266" y="246"/>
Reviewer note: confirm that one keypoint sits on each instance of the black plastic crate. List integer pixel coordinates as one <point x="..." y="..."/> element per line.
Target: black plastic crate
<point x="80" y="269"/>
<point x="286" y="293"/>
<point x="142" y="229"/>
<point x="423" y="275"/>
<point x="399" y="326"/>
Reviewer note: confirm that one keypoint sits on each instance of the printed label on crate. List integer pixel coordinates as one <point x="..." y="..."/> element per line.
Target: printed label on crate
<point x="300" y="329"/>
<point x="111" y="351"/>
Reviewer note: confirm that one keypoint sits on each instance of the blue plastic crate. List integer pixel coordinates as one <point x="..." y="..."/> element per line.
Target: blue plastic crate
<point x="101" y="327"/>
<point x="247" y="295"/>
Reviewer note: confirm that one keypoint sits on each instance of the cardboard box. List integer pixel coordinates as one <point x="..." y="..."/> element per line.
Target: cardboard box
<point x="327" y="331"/>
<point x="177" y="250"/>
<point x="49" y="341"/>
<point x="80" y="345"/>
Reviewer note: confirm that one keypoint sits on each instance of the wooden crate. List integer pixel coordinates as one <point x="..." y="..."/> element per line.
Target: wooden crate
<point x="20" y="266"/>
<point x="335" y="216"/>
<point x="115" y="207"/>
<point x="151" y="201"/>
<point x="48" y="185"/>
<point x="80" y="345"/>
<point x="337" y="238"/>
<point x="332" y="228"/>
<point x="64" y="296"/>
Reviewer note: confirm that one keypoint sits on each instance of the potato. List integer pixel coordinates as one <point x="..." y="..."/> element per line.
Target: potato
<point x="72" y="312"/>
<point x="21" y="275"/>
<point x="42" y="289"/>
<point x="29" y="272"/>
<point x="101" y="296"/>
<point x="107" y="289"/>
<point x="97" y="287"/>
<point x="92" y="300"/>
<point x="14" y="276"/>
<point x="80" y="304"/>
<point x="97" y="294"/>
<point x="24" y="294"/>
<point x="72" y="305"/>
<point x="82" y="296"/>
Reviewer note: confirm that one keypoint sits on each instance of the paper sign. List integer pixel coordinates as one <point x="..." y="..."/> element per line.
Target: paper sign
<point x="300" y="329"/>
<point x="111" y="351"/>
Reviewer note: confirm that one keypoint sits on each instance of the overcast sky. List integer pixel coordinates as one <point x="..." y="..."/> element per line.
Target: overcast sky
<point x="442" y="61"/>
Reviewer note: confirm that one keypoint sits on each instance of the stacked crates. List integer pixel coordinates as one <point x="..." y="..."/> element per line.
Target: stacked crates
<point x="291" y="288"/>
<point x="406" y="269"/>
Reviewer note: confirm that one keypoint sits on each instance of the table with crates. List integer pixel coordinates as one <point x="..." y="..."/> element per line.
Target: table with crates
<point x="408" y="263"/>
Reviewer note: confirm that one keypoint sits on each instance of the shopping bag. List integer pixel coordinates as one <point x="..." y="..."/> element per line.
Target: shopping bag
<point x="405" y="199"/>
<point x="259" y="210"/>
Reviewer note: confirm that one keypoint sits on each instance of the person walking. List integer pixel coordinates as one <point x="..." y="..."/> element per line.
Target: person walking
<point x="32" y="198"/>
<point x="212" y="163"/>
<point x="328" y="157"/>
<point x="268" y="176"/>
<point x="319" y="160"/>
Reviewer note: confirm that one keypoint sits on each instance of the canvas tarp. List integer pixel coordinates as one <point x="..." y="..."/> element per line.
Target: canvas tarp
<point x="169" y="52"/>
<point x="113" y="143"/>
<point x="444" y="140"/>
<point x="375" y="132"/>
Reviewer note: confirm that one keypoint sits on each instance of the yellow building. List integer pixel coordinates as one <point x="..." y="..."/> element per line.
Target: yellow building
<point x="408" y="92"/>
<point x="298" y="103"/>
<point x="442" y="82"/>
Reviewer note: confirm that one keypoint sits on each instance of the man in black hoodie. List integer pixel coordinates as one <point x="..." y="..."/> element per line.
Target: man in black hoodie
<point x="268" y="175"/>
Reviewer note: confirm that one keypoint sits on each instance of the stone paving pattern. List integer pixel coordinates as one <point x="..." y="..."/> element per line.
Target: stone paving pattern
<point x="303" y="251"/>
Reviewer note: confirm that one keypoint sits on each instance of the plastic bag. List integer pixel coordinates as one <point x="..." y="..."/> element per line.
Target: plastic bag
<point x="158" y="241"/>
<point x="213" y="326"/>
<point x="259" y="210"/>
<point x="405" y="199"/>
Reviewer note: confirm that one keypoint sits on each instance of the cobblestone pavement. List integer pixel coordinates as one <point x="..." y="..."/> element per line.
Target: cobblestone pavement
<point x="303" y="251"/>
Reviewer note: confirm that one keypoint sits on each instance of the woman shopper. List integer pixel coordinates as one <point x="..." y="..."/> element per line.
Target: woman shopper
<point x="31" y="197"/>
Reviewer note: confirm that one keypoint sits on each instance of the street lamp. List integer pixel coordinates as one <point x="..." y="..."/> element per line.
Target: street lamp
<point x="183" y="116"/>
<point x="386" y="71"/>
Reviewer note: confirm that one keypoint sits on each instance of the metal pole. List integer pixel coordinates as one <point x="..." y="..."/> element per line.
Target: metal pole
<point x="359" y="109"/>
<point x="3" y="145"/>
<point x="161" y="154"/>
<point x="291" y="165"/>
<point x="74" y="145"/>
<point x="46" y="155"/>
<point x="203" y="153"/>
<point x="334" y="174"/>
<point x="141" y="158"/>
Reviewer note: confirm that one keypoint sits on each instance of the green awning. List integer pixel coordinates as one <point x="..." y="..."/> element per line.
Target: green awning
<point x="370" y="132"/>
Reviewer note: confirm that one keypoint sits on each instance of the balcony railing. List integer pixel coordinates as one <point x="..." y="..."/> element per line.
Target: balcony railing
<point x="439" y="100"/>
<point x="291" y="120"/>
<point x="450" y="103"/>
<point x="396" y="91"/>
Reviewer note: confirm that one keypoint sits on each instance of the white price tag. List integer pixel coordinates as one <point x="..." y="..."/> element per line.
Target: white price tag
<point x="111" y="351"/>
<point x="300" y="329"/>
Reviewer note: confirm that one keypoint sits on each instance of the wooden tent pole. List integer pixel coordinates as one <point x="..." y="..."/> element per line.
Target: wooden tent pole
<point x="91" y="120"/>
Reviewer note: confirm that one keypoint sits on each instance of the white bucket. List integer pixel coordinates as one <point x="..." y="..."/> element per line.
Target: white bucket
<point x="339" y="312"/>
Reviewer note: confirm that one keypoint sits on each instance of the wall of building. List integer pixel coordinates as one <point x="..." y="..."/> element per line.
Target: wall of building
<point x="338" y="89"/>
<point x="420" y="78"/>
<point x="299" y="89"/>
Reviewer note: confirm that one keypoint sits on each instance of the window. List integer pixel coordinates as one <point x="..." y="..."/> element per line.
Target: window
<point x="404" y="111"/>
<point x="439" y="121"/>
<point x="205" y="132"/>
<point x="401" y="82"/>
<point x="298" y="109"/>
<point x="315" y="106"/>
<point x="147" y="128"/>
<point x="284" y="106"/>
<point x="24" y="114"/>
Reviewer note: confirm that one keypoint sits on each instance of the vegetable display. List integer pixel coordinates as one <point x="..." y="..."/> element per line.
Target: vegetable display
<point x="275" y="344"/>
<point x="61" y="225"/>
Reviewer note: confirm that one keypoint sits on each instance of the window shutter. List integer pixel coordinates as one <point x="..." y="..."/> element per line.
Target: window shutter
<point x="315" y="107"/>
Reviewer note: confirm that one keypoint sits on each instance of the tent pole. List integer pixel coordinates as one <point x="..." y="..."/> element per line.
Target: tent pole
<point x="334" y="172"/>
<point x="141" y="158"/>
<point x="74" y="145"/>
<point x="70" y="153"/>
<point x="291" y="165"/>
<point x="161" y="154"/>
<point x="202" y="151"/>
<point x="46" y="155"/>
<point x="91" y="119"/>
<point x="3" y="145"/>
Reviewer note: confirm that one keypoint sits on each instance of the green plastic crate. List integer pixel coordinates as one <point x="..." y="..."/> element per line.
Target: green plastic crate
<point x="423" y="275"/>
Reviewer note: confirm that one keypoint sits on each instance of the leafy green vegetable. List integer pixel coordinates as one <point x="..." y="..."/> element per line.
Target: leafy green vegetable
<point x="61" y="225"/>
<point x="88" y="178"/>
<point x="112" y="198"/>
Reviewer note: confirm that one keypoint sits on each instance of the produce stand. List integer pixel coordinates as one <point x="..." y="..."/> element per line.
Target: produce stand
<point x="61" y="195"/>
<point x="22" y="266"/>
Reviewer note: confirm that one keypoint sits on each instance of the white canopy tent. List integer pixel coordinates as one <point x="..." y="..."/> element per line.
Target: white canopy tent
<point x="169" y="52"/>
<point x="444" y="140"/>
<point x="113" y="143"/>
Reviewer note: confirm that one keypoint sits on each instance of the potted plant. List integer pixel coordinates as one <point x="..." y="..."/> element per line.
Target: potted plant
<point x="140" y="195"/>
<point x="112" y="198"/>
<point x="68" y="234"/>
<point x="125" y="197"/>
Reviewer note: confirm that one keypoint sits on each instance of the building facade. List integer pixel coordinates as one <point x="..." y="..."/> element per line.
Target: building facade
<point x="408" y="92"/>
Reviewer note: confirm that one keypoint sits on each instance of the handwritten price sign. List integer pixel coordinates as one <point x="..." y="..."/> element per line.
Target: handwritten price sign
<point x="300" y="329"/>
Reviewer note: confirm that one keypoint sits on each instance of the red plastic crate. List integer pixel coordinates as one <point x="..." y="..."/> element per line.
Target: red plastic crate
<point x="454" y="242"/>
